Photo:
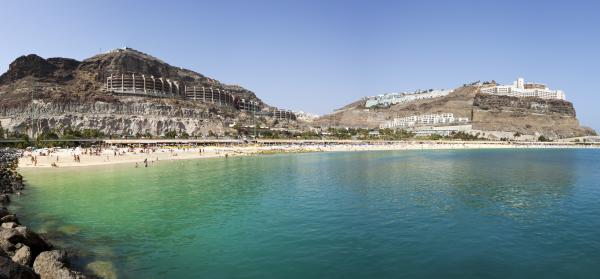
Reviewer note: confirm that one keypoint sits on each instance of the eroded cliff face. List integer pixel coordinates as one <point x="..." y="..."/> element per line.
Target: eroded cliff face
<point x="552" y="118"/>
<point x="127" y="117"/>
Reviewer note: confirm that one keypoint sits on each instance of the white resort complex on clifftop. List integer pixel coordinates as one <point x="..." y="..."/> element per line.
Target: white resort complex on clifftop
<point x="403" y="97"/>
<point x="520" y="88"/>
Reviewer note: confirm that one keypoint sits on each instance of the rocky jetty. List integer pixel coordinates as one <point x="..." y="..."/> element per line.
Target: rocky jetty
<point x="24" y="253"/>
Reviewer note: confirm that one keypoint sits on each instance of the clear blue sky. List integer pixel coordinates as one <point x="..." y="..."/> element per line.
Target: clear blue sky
<point x="320" y="55"/>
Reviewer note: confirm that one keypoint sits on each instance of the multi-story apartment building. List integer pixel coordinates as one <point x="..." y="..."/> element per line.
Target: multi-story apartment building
<point x="520" y="88"/>
<point x="423" y="120"/>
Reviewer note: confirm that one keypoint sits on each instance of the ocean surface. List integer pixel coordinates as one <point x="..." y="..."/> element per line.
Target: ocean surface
<point x="405" y="214"/>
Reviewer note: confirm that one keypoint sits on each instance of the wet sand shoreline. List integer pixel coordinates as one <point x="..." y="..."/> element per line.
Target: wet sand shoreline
<point x="140" y="156"/>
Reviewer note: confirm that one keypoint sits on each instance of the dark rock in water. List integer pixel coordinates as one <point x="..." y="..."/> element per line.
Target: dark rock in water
<point x="10" y="269"/>
<point x="12" y="235"/>
<point x="4" y="212"/>
<point x="53" y="265"/>
<point x="4" y="199"/>
<point x="33" y="240"/>
<point x="9" y="218"/>
<point x="22" y="255"/>
<point x="103" y="269"/>
<point x="6" y="247"/>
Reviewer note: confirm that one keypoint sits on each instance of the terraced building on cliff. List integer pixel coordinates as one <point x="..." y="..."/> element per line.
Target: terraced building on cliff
<point x="423" y="120"/>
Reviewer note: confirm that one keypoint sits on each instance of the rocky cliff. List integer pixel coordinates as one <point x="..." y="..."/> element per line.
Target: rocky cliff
<point x="551" y="118"/>
<point x="70" y="93"/>
<point x="528" y="116"/>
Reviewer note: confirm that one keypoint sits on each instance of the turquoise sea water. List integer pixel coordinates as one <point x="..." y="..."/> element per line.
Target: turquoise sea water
<point x="411" y="214"/>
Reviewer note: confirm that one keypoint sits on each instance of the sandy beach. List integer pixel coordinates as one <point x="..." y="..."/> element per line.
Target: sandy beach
<point x="81" y="157"/>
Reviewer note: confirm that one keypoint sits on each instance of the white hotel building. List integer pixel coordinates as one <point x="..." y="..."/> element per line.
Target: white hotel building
<point x="521" y="89"/>
<point x="424" y="120"/>
<point x="403" y="97"/>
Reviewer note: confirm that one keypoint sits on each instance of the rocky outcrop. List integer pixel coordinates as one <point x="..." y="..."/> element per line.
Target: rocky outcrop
<point x="21" y="250"/>
<point x="10" y="180"/>
<point x="51" y="70"/>
<point x="551" y="118"/>
<point x="22" y="255"/>
<point x="52" y="265"/>
<point x="21" y="234"/>
<point x="528" y="105"/>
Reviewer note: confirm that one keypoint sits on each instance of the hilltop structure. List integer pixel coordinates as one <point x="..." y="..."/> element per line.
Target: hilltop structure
<point x="520" y="88"/>
<point x="389" y="99"/>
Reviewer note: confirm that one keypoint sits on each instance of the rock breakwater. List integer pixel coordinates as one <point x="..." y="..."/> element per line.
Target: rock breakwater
<point x="24" y="253"/>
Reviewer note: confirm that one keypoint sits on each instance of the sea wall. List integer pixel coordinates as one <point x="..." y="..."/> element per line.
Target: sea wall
<point x="24" y="253"/>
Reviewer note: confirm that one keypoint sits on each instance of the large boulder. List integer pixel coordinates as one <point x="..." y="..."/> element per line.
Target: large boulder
<point x="12" y="235"/>
<point x="9" y="225"/>
<point x="23" y="235"/>
<point x="53" y="265"/>
<point x="12" y="270"/>
<point x="22" y="255"/>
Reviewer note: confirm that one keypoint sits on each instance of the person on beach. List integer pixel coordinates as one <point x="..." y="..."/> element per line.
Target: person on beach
<point x="146" y="162"/>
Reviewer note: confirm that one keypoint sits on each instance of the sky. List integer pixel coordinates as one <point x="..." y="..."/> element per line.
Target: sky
<point x="317" y="56"/>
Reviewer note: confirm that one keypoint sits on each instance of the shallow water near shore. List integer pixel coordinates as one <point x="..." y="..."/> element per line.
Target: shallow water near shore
<point x="417" y="214"/>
